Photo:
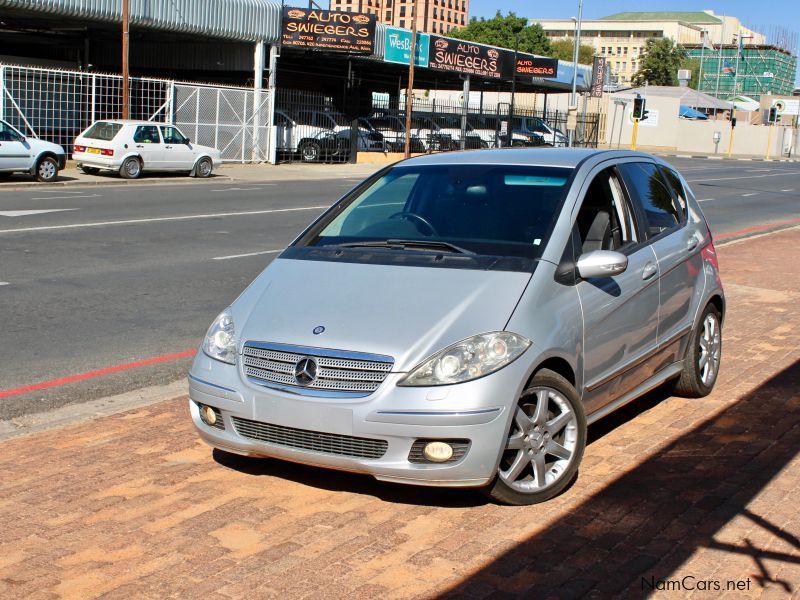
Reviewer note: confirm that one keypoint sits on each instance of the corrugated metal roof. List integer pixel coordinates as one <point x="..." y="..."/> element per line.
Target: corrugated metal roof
<point x="241" y="20"/>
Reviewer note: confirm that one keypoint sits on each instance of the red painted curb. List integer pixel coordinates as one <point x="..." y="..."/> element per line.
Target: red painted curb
<point x="722" y="236"/>
<point x="43" y="385"/>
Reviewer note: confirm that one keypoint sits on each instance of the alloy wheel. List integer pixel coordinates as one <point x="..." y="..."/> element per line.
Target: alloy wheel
<point x="47" y="170"/>
<point x="710" y="342"/>
<point x="542" y="443"/>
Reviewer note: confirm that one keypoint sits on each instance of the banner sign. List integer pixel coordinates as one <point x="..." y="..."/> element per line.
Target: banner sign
<point x="328" y="30"/>
<point x="536" y="66"/>
<point x="466" y="57"/>
<point x="598" y="76"/>
<point x="397" y="47"/>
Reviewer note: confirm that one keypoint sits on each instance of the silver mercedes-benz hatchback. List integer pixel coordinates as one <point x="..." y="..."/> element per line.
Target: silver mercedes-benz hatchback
<point x="458" y="319"/>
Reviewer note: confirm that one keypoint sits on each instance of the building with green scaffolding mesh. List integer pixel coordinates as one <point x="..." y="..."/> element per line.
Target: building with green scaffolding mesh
<point x="762" y="69"/>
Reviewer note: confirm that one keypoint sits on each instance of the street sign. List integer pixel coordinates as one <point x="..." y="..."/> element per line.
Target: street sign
<point x="787" y="106"/>
<point x="397" y="47"/>
<point x="328" y="30"/>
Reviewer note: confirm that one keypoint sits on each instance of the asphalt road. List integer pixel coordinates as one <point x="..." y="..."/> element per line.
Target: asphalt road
<point x="123" y="274"/>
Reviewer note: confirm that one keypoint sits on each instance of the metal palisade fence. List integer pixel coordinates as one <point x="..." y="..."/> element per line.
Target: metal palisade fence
<point x="56" y="105"/>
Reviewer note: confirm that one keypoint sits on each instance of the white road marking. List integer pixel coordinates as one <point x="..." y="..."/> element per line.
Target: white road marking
<point x="754" y="170"/>
<point x="68" y="197"/>
<point x="747" y="176"/>
<point x="3" y="283"/>
<point x="58" y="192"/>
<point x="789" y="190"/>
<point x="160" y="219"/>
<point x="26" y="213"/>
<point x="248" y="254"/>
<point x="748" y="195"/>
<point x="706" y="200"/>
<point x="244" y="189"/>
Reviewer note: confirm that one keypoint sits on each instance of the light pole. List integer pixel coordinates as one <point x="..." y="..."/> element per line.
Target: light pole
<point x="517" y="28"/>
<point x="125" y="39"/>
<point x="410" y="88"/>
<point x="573" y="101"/>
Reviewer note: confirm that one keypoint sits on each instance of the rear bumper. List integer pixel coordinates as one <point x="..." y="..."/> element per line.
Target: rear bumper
<point x="96" y="161"/>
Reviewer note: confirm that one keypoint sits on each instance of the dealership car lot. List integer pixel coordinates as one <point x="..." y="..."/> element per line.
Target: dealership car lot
<point x="675" y="490"/>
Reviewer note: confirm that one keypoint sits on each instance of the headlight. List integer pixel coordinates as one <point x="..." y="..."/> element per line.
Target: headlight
<point x="468" y="359"/>
<point x="220" y="342"/>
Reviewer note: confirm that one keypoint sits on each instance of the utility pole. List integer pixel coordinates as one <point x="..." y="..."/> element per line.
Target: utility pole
<point x="513" y="89"/>
<point x="573" y="101"/>
<point x="125" y="38"/>
<point x="410" y="90"/>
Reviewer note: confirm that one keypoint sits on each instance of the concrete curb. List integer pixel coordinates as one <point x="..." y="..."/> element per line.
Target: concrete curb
<point x="725" y="158"/>
<point x="24" y="185"/>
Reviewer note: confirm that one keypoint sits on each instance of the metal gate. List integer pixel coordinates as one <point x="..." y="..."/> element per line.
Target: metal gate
<point x="235" y="120"/>
<point x="56" y="105"/>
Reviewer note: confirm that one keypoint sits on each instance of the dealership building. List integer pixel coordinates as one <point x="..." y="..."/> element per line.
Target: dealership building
<point x="60" y="61"/>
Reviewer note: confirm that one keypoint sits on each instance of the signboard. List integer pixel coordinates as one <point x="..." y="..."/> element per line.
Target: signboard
<point x="466" y="57"/>
<point x="598" y="76"/>
<point x="397" y="47"/>
<point x="328" y="30"/>
<point x="650" y="121"/>
<point x="535" y="66"/>
<point x="787" y="106"/>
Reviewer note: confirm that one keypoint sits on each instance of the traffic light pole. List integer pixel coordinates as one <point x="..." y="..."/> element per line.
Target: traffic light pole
<point x="769" y="140"/>
<point x="634" y="134"/>
<point x="730" y="140"/>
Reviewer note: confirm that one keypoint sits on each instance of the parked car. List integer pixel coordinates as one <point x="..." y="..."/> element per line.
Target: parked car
<point x="459" y="318"/>
<point x="488" y="128"/>
<point x="312" y="142"/>
<point x="132" y="147"/>
<point x="21" y="154"/>
<point x="393" y="130"/>
<point x="369" y="140"/>
<point x="539" y="128"/>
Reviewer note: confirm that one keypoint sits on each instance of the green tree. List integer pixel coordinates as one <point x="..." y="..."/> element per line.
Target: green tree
<point x="660" y="63"/>
<point x="499" y="31"/>
<point x="563" y="49"/>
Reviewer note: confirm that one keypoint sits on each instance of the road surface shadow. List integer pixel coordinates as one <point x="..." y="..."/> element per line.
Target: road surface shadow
<point x="651" y="520"/>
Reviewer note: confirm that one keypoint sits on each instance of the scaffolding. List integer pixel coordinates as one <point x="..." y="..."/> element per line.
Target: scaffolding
<point x="763" y="69"/>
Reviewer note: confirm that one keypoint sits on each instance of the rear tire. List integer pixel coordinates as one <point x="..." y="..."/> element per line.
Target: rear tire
<point x="46" y="169"/>
<point x="310" y="152"/>
<point x="203" y="168"/>
<point x="703" y="357"/>
<point x="545" y="443"/>
<point x="131" y="168"/>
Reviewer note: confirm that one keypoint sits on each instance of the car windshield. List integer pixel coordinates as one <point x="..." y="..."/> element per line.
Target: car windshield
<point x="339" y="118"/>
<point x="481" y="210"/>
<point x="103" y="130"/>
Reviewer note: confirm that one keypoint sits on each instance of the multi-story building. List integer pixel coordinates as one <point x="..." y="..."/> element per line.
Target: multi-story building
<point x="622" y="37"/>
<point x="433" y="16"/>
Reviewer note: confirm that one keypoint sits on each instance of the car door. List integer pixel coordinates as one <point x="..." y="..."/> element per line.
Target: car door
<point x="147" y="141"/>
<point x="15" y="154"/>
<point x="662" y="200"/>
<point x="178" y="152"/>
<point x="620" y="313"/>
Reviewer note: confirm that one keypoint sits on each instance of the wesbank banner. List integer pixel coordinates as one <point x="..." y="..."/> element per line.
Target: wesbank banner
<point x="397" y="47"/>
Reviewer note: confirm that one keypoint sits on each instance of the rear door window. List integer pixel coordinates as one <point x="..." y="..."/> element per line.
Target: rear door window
<point x="173" y="136"/>
<point x="103" y="130"/>
<point x="649" y="189"/>
<point x="146" y="134"/>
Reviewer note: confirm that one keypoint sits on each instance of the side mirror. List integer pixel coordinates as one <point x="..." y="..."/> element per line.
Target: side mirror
<point x="188" y="141"/>
<point x="601" y="263"/>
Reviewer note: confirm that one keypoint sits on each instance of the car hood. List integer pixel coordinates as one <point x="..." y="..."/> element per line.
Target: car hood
<point x="43" y="146"/>
<point x="404" y="312"/>
<point x="206" y="149"/>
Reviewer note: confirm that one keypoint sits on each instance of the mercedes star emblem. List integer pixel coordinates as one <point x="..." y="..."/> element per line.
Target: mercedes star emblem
<point x="305" y="371"/>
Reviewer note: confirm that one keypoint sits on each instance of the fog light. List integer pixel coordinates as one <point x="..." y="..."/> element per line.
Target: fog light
<point x="438" y="451"/>
<point x="208" y="415"/>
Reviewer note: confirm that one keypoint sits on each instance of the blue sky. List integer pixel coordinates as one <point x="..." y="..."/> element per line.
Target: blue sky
<point x="779" y="12"/>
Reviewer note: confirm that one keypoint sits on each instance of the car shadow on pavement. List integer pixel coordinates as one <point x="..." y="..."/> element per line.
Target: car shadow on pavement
<point x="342" y="481"/>
<point x="17" y="178"/>
<point x="654" y="518"/>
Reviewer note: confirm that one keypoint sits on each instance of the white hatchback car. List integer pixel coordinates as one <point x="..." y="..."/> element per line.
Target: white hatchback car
<point x="130" y="147"/>
<point x="21" y="154"/>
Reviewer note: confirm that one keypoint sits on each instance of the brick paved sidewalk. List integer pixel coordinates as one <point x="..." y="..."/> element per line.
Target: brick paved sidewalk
<point x="672" y="491"/>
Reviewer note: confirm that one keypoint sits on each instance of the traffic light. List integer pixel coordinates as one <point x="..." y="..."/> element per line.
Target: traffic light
<point x="773" y="115"/>
<point x="732" y="119"/>
<point x="639" y="112"/>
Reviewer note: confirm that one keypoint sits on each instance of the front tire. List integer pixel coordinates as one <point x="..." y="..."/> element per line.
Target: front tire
<point x="545" y="443"/>
<point x="131" y="168"/>
<point x="46" y="169"/>
<point x="203" y="168"/>
<point x="703" y="357"/>
<point x="311" y="152"/>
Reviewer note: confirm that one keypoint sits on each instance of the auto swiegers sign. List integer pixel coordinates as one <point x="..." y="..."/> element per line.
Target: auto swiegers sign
<point x="328" y="30"/>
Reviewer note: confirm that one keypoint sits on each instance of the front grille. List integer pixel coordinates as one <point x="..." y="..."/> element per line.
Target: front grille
<point x="312" y="441"/>
<point x="460" y="448"/>
<point x="275" y="364"/>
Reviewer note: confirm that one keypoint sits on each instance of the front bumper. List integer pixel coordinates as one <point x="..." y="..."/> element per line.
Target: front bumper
<point x="477" y="411"/>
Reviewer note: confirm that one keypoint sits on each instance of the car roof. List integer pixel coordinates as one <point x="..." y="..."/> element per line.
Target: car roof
<point x="544" y="157"/>
<point x="130" y="122"/>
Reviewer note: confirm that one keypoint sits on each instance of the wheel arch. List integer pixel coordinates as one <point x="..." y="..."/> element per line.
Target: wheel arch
<point x="40" y="156"/>
<point x="718" y="301"/>
<point x="557" y="364"/>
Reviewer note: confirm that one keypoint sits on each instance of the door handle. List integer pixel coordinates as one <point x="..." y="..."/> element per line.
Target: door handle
<point x="649" y="270"/>
<point x="692" y="244"/>
<point x="139" y="146"/>
<point x="168" y="147"/>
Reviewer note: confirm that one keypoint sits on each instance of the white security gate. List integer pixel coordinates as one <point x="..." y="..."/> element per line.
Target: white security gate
<point x="235" y="120"/>
<point x="56" y="105"/>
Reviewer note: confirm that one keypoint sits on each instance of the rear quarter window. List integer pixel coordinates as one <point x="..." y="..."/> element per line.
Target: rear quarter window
<point x="103" y="130"/>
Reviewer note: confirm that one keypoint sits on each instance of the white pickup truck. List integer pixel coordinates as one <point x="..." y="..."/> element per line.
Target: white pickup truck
<point x="20" y="154"/>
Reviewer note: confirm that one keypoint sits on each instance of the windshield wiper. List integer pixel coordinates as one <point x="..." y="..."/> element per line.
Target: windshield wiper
<point x="410" y="245"/>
